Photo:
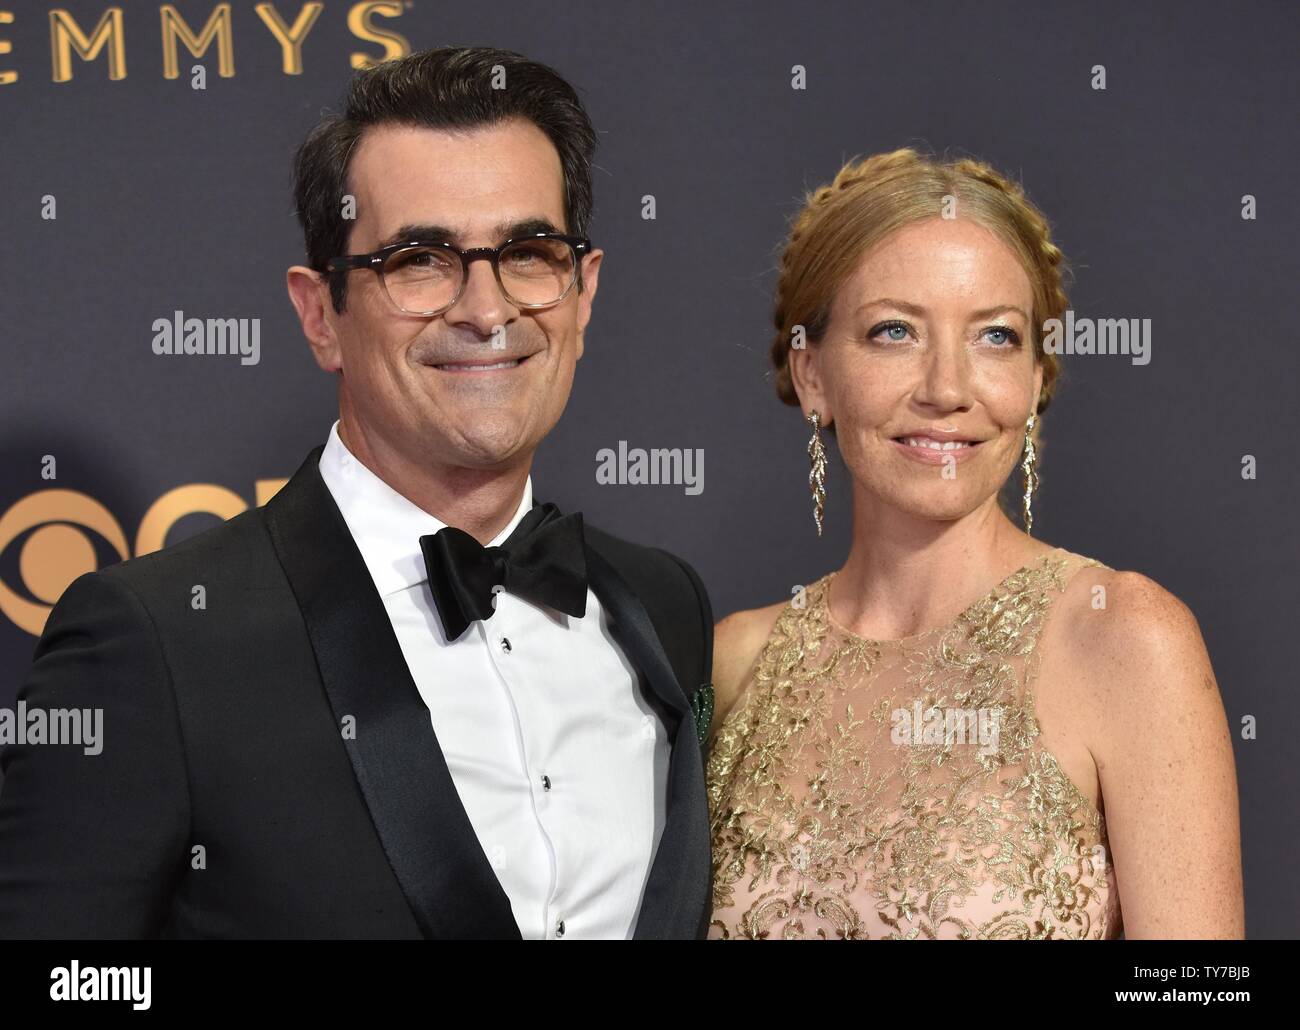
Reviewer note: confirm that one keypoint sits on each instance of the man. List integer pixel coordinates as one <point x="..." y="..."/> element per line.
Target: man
<point x="415" y="702"/>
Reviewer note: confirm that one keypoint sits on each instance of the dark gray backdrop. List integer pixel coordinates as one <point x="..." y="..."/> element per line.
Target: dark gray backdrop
<point x="174" y="198"/>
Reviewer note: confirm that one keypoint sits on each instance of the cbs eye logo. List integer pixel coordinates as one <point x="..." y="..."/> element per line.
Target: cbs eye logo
<point x="52" y="529"/>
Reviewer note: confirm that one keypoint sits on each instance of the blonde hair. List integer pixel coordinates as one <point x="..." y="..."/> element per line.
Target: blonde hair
<point x="872" y="197"/>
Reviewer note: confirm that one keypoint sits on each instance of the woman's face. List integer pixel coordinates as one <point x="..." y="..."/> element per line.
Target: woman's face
<point x="927" y="369"/>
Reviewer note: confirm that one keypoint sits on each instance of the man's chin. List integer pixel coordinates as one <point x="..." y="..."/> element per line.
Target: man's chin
<point x="487" y="447"/>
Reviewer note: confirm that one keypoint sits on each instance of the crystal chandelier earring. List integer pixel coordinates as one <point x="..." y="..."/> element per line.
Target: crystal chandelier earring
<point x="817" y="475"/>
<point x="1030" y="475"/>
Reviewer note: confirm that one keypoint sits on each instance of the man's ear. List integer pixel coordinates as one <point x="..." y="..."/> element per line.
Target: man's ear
<point x="806" y="375"/>
<point x="310" y="293"/>
<point x="590" y="280"/>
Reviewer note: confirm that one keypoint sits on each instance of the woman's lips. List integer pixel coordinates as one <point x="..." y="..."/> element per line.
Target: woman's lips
<point x="933" y="452"/>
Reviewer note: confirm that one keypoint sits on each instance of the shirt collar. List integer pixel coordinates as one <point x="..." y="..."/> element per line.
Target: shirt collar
<point x="386" y="525"/>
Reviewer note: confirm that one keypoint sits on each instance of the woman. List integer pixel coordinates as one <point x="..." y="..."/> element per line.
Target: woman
<point x="963" y="731"/>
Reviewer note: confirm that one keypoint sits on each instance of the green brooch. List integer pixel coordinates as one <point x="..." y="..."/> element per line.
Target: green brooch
<point x="702" y="707"/>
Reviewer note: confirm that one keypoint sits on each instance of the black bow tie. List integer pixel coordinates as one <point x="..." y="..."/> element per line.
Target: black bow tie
<point x="543" y="560"/>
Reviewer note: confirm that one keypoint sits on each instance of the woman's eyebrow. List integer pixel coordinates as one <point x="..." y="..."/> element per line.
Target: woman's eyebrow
<point x="997" y="310"/>
<point x="890" y="302"/>
<point x="917" y="310"/>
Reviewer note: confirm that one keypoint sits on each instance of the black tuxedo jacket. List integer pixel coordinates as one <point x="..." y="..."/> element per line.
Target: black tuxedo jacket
<point x="227" y="802"/>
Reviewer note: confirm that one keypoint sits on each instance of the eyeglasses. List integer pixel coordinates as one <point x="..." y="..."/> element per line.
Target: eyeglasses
<point x="533" y="271"/>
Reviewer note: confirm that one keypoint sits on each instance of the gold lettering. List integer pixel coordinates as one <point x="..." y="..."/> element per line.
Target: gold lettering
<point x="66" y="35"/>
<point x="359" y="24"/>
<point x="6" y="77"/>
<point x="290" y="39"/>
<point x="218" y="26"/>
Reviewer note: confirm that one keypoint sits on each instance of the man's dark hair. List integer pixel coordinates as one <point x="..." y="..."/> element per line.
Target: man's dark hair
<point x="443" y="88"/>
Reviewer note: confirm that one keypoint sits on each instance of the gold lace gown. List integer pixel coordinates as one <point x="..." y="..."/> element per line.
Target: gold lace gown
<point x="837" y="816"/>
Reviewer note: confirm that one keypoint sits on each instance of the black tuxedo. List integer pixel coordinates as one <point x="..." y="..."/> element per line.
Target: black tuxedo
<point x="222" y="731"/>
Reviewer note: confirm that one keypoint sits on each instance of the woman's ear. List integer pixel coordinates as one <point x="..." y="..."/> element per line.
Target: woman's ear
<point x="806" y="375"/>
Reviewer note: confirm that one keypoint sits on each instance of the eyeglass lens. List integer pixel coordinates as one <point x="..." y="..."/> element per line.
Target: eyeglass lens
<point x="533" y="273"/>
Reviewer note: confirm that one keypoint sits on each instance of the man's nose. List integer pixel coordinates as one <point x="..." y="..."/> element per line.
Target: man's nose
<point x="482" y="305"/>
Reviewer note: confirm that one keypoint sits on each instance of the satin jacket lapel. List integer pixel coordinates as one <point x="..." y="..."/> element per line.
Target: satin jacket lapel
<point x="426" y="833"/>
<point x="677" y="891"/>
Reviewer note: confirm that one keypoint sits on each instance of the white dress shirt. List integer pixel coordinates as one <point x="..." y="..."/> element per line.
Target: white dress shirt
<point x="558" y="759"/>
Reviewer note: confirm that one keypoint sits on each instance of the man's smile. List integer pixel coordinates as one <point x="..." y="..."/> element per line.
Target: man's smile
<point x="481" y="366"/>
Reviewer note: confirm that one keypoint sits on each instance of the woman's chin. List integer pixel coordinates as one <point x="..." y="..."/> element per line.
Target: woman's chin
<point x="934" y="503"/>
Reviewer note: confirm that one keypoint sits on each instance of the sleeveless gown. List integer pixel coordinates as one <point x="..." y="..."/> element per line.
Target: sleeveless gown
<point x="896" y="789"/>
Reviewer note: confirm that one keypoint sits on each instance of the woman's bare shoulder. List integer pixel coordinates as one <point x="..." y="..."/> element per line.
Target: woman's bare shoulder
<point x="738" y="640"/>
<point x="1133" y="642"/>
<point x="1111" y="613"/>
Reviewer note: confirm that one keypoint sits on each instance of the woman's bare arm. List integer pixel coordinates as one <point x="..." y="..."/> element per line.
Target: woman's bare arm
<point x="1165" y="763"/>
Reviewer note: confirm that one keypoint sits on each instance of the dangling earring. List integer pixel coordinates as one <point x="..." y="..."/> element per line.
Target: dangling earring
<point x="1030" y="475"/>
<point x="817" y="476"/>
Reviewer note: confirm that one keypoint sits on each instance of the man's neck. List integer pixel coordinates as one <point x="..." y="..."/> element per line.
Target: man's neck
<point x="479" y="501"/>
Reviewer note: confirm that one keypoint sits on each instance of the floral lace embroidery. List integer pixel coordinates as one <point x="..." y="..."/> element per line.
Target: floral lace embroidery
<point x="823" y="826"/>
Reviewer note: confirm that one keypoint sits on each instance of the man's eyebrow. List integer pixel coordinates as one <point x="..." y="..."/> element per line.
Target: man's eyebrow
<point x="428" y="232"/>
<point x="913" y="309"/>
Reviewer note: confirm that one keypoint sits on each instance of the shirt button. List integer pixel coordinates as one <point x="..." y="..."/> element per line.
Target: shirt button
<point x="505" y="644"/>
<point x="559" y="929"/>
<point x="546" y="782"/>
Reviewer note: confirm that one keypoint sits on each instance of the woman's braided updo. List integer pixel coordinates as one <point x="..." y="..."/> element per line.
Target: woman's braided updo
<point x="872" y="197"/>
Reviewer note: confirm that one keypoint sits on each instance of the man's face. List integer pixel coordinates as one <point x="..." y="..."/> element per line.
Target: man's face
<point x="405" y="385"/>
